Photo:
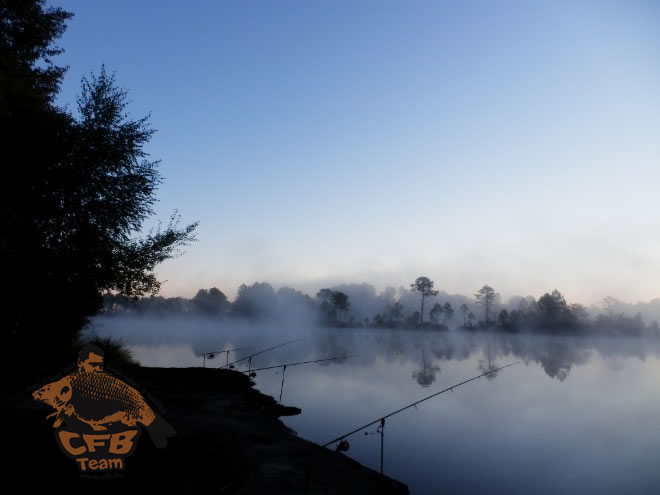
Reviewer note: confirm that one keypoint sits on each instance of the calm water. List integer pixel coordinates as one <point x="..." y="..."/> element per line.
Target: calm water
<point x="575" y="416"/>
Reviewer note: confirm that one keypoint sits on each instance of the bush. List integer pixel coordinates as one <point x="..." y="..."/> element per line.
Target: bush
<point x="116" y="355"/>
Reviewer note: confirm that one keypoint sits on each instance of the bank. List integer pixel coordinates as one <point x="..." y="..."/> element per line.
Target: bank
<point x="229" y="440"/>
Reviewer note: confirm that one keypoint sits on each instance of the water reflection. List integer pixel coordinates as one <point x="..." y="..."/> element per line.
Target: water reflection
<point x="556" y="355"/>
<point x="579" y="416"/>
<point x="426" y="375"/>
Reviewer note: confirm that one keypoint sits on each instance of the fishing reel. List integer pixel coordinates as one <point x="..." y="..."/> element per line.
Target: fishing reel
<point x="342" y="446"/>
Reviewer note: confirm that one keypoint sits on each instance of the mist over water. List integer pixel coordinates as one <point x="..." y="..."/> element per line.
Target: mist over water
<point x="578" y="415"/>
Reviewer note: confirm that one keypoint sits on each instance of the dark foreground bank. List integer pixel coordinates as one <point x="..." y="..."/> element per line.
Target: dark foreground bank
<point x="229" y="440"/>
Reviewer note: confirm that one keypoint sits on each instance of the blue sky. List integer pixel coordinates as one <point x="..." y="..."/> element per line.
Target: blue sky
<point x="317" y="142"/>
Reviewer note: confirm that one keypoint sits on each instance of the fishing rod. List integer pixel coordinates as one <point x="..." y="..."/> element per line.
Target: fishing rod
<point x="211" y="355"/>
<point x="284" y="366"/>
<point x="343" y="445"/>
<point x="249" y="358"/>
<point x="302" y="362"/>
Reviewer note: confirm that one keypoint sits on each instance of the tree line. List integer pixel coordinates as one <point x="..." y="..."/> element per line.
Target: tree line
<point x="419" y="306"/>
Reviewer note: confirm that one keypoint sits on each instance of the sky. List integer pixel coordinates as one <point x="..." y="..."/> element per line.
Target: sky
<point x="508" y="143"/>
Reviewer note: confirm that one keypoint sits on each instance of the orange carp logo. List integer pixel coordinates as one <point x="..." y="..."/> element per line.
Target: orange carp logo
<point x="98" y="418"/>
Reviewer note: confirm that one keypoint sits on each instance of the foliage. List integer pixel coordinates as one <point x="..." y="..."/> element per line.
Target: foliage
<point x="413" y="320"/>
<point x="464" y="309"/>
<point x="340" y="302"/>
<point x="288" y="299"/>
<point x="116" y="356"/>
<point x="211" y="302"/>
<point x="448" y="312"/>
<point x="436" y="312"/>
<point x="328" y="311"/>
<point x="332" y="301"/>
<point x="424" y="286"/>
<point x="256" y="300"/>
<point x="486" y="297"/>
<point x="394" y="312"/>
<point x="27" y="32"/>
<point x="504" y="320"/>
<point x="80" y="190"/>
<point x="325" y="295"/>
<point x="551" y="314"/>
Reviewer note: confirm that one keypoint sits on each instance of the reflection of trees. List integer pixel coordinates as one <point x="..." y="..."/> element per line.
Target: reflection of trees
<point x="426" y="376"/>
<point x="443" y="347"/>
<point x="333" y="343"/>
<point x="469" y="345"/>
<point x="557" y="359"/>
<point x="556" y="355"/>
<point x="487" y="364"/>
<point x="394" y="343"/>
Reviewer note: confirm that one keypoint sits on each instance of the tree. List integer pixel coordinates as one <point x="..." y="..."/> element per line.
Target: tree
<point x="580" y="313"/>
<point x="448" y="312"/>
<point x="464" y="309"/>
<point x="212" y="301"/>
<point x="553" y="311"/>
<point x="393" y="312"/>
<point x="424" y="286"/>
<point x="609" y="303"/>
<point x="293" y="306"/>
<point x="255" y="301"/>
<point x="340" y="301"/>
<point x="504" y="319"/>
<point x="327" y="310"/>
<point x="435" y="313"/>
<point x="325" y="295"/>
<point x="27" y="34"/>
<point x="413" y="319"/>
<point x="80" y="190"/>
<point x="486" y="297"/>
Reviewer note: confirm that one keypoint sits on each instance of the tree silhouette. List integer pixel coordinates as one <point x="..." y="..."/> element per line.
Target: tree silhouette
<point x="340" y="301"/>
<point x="448" y="312"/>
<point x="436" y="312"/>
<point x="424" y="286"/>
<point x="212" y="301"/>
<point x="394" y="312"/>
<point x="80" y="190"/>
<point x="486" y="296"/>
<point x="328" y="313"/>
<point x="464" y="309"/>
<point x="609" y="303"/>
<point x="504" y="320"/>
<point x="255" y="301"/>
<point x="553" y="311"/>
<point x="325" y="295"/>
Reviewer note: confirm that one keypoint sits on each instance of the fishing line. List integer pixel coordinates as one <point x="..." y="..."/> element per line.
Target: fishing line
<point x="252" y="373"/>
<point x="260" y="352"/>
<point x="382" y="419"/>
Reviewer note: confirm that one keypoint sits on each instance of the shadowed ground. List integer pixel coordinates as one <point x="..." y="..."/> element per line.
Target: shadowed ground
<point x="229" y="440"/>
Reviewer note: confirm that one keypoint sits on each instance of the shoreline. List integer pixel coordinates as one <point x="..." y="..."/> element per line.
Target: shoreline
<point x="229" y="440"/>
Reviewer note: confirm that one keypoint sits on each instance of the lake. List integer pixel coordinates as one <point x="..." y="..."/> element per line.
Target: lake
<point x="577" y="415"/>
